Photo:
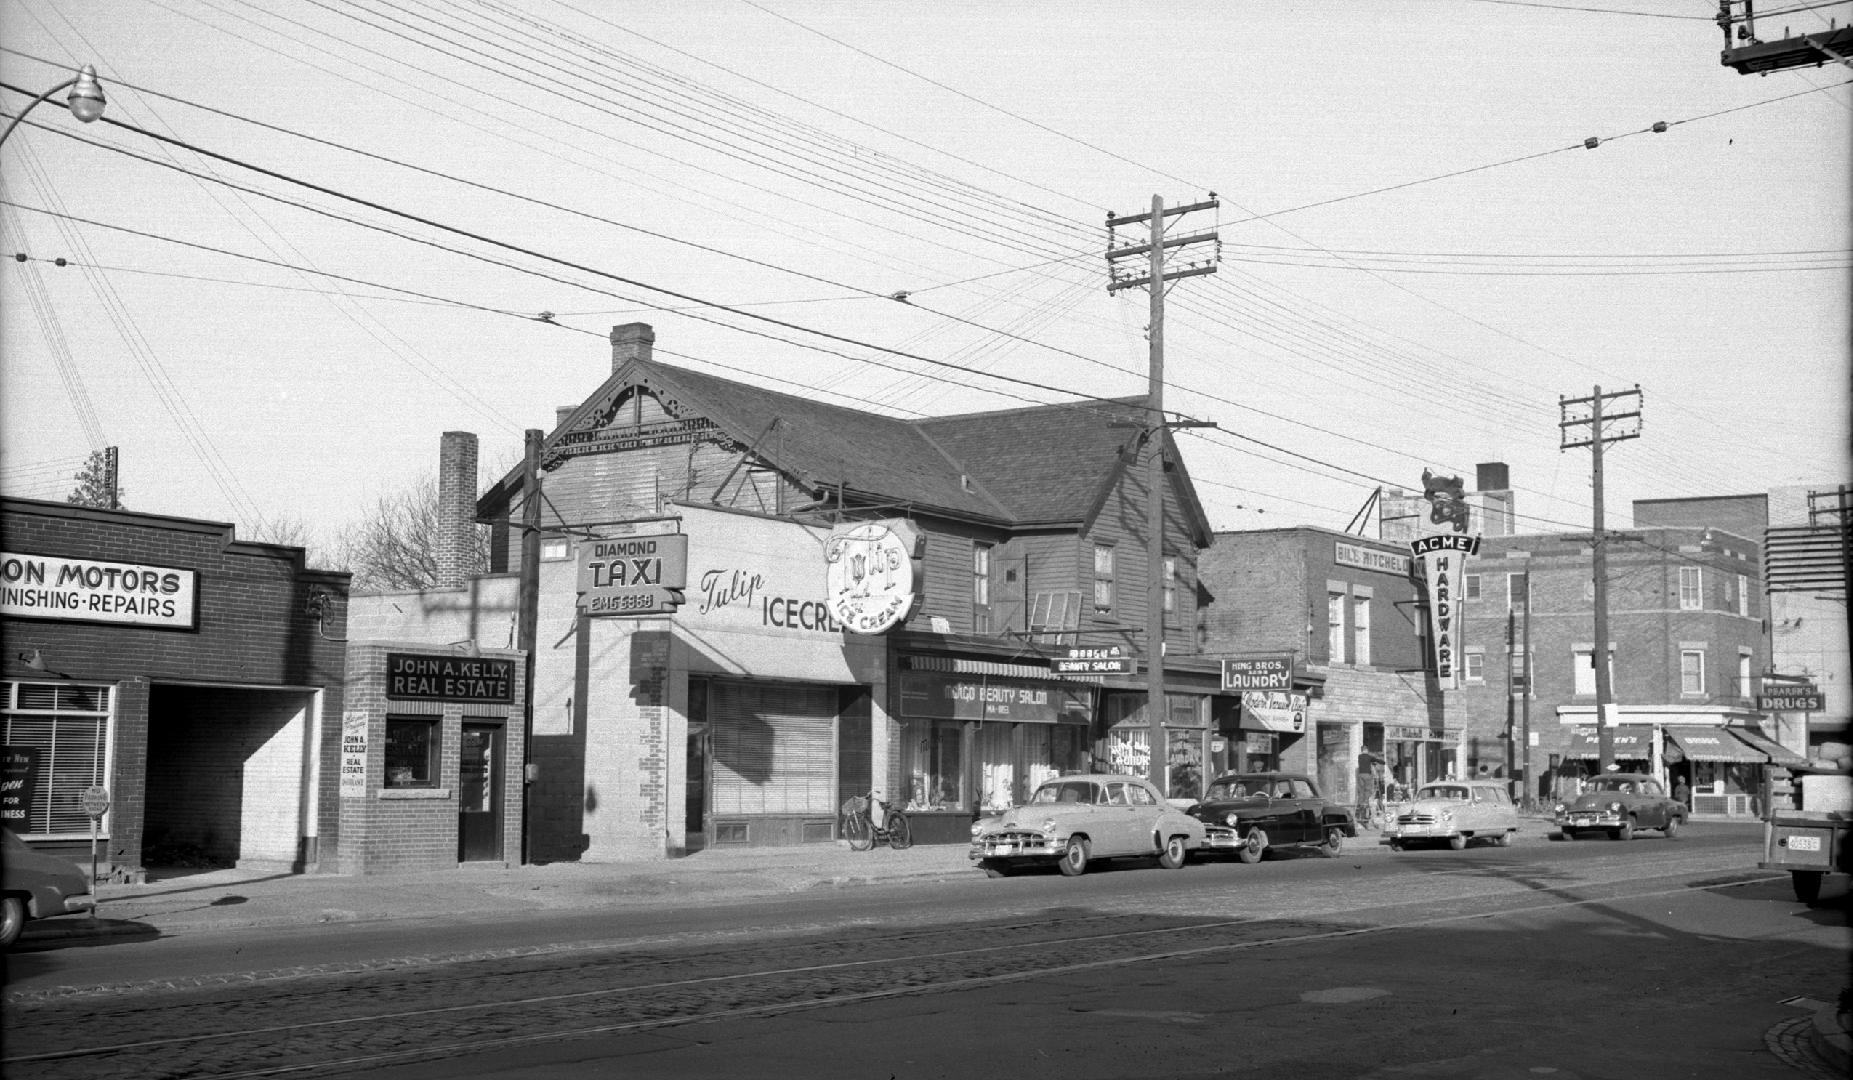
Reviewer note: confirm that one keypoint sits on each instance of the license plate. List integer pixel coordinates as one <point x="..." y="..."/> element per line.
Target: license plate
<point x="1804" y="843"/>
<point x="1003" y="849"/>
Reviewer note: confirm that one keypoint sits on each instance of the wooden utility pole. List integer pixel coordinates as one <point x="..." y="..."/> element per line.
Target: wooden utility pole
<point x="527" y="617"/>
<point x="1595" y="437"/>
<point x="1152" y="440"/>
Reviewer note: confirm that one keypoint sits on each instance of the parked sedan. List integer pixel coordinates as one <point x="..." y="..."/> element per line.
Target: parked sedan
<point x="1618" y="804"/>
<point x="1454" y="812"/>
<point x="1248" y="813"/>
<point x="1072" y="821"/>
<point x="35" y="885"/>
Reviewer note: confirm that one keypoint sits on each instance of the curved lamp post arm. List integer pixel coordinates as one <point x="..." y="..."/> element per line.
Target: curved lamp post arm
<point x="85" y="102"/>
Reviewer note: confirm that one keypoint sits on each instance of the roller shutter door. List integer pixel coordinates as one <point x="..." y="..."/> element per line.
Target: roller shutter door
<point x="774" y="748"/>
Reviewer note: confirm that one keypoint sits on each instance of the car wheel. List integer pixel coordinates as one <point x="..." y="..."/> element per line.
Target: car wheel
<point x="1625" y="831"/>
<point x="1807" y="885"/>
<point x="1567" y="834"/>
<point x="994" y="867"/>
<point x="1334" y="841"/>
<point x="1504" y="839"/>
<point x="1672" y="827"/>
<point x="1254" y="847"/>
<point x="14" y="919"/>
<point x="1074" y="857"/>
<point x="1457" y="841"/>
<point x="1174" y="855"/>
<point x="1398" y="845"/>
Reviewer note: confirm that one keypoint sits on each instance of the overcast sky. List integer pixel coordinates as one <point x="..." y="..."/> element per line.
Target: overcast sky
<point x="1418" y="255"/>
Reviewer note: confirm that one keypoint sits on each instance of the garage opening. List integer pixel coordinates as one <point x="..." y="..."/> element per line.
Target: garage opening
<point x="227" y="778"/>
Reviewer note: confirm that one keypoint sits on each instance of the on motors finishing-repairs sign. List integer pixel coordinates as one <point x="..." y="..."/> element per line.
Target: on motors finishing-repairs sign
<point x="91" y="590"/>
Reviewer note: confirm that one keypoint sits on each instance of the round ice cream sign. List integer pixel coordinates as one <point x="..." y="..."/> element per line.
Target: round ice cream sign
<point x="870" y="578"/>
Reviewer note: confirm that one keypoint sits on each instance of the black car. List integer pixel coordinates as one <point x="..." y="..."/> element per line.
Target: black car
<point x="1248" y="813"/>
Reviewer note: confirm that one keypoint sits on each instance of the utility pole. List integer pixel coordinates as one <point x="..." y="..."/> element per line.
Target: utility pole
<point x="1595" y="437"/>
<point x="527" y="618"/>
<point x="111" y="482"/>
<point x="1525" y="703"/>
<point x="1152" y="438"/>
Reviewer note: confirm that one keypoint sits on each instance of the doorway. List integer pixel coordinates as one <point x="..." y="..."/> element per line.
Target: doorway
<point x="479" y="794"/>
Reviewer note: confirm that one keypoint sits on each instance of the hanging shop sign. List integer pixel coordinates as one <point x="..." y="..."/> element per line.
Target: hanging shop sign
<point x="869" y="577"/>
<point x="91" y="590"/>
<point x="1274" y="711"/>
<point x="440" y="677"/>
<point x="633" y="575"/>
<point x="1444" y="560"/>
<point x="1797" y="697"/>
<point x="1112" y="660"/>
<point x="1257" y="673"/>
<point x="936" y="695"/>
<point x="1367" y="558"/>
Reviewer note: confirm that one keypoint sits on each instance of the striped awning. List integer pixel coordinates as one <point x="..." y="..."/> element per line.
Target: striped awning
<point x="1777" y="753"/>
<point x="1712" y="744"/>
<point x="1631" y="741"/>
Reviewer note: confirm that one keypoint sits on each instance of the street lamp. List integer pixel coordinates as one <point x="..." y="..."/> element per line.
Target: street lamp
<point x="85" y="100"/>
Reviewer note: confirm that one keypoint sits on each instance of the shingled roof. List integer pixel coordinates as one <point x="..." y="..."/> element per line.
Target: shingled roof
<point x="1041" y="465"/>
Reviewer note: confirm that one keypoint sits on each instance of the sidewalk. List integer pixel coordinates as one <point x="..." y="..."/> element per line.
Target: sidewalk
<point x="190" y="901"/>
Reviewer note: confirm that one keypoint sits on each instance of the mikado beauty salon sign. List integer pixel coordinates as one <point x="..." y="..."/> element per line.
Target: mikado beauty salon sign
<point x="1444" y="561"/>
<point x="91" y="590"/>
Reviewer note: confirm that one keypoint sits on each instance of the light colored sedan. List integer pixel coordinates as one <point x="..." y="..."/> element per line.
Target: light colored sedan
<point x="1454" y="812"/>
<point x="1073" y="820"/>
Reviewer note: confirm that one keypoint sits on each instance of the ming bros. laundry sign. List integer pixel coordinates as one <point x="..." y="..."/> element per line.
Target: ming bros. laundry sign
<point x="91" y="590"/>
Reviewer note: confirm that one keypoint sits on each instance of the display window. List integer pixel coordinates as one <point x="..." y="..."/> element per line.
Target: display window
<point x="57" y="738"/>
<point x="932" y="764"/>
<point x="412" y="744"/>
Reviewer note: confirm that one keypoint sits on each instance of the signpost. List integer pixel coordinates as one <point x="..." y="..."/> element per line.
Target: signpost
<point x="96" y="804"/>
<point x="633" y="575"/>
<point x="1798" y="697"/>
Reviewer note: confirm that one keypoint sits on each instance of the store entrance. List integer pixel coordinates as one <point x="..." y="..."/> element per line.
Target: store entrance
<point x="479" y="794"/>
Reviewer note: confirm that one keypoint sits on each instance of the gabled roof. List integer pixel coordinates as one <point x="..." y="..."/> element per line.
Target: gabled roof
<point x="1036" y="466"/>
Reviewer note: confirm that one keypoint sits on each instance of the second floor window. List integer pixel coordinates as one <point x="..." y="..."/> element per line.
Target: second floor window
<point x="1473" y="665"/>
<point x="1470" y="587"/>
<point x="1691" y="588"/>
<point x="1691" y="672"/>
<point x="1335" y="627"/>
<point x="1743" y="675"/>
<point x="1743" y="596"/>
<point x="1170" y="589"/>
<point x="1103" y="577"/>
<point x="1584" y="672"/>
<point x="981" y="587"/>
<point x="1360" y="630"/>
<point x="1518" y="592"/>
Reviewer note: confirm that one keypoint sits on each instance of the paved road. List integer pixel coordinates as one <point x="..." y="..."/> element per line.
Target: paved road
<point x="1650" y="958"/>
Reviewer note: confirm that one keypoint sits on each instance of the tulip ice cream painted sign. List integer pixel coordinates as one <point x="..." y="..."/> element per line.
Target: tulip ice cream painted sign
<point x="1444" y="559"/>
<point x="870" y="577"/>
<point x="90" y="590"/>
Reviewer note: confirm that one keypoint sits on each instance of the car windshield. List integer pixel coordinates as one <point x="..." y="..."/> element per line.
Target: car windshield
<point x="1237" y="788"/>
<point x="1064" y="791"/>
<point x="1443" y="791"/>
<point x="1613" y="783"/>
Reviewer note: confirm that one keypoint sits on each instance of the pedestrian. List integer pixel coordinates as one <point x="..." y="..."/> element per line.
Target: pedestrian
<point x="1681" y="793"/>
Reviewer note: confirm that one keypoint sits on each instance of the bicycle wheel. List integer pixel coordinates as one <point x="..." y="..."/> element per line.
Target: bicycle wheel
<point x="900" y="834"/>
<point x="858" y="831"/>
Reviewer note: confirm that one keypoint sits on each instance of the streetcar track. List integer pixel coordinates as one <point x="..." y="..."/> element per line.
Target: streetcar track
<point x="1029" y="968"/>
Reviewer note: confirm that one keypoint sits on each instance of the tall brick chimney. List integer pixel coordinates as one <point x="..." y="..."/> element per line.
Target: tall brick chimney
<point x="632" y="341"/>
<point x="456" y="508"/>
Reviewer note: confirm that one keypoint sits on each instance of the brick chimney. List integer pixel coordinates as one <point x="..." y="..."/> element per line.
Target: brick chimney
<point x="632" y="341"/>
<point x="456" y="508"/>
<point x="560" y="413"/>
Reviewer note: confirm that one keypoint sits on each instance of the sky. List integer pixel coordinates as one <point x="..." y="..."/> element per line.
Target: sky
<point x="308" y="238"/>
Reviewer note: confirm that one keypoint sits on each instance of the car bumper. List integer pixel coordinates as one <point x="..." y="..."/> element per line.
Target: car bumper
<point x="1589" y="819"/>
<point x="1221" y="838"/>
<point x="1419" y="830"/>
<point x="1015" y="846"/>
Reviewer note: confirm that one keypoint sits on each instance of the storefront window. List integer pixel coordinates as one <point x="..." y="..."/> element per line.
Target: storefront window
<point x="1184" y="765"/>
<point x="60" y="733"/>
<point x="932" y="764"/>
<point x="1051" y="750"/>
<point x="1128" y="752"/>
<point x="996" y="766"/>
<point x="411" y="752"/>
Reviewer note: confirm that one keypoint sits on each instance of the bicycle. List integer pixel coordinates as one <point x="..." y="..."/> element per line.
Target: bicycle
<point x="862" y="832"/>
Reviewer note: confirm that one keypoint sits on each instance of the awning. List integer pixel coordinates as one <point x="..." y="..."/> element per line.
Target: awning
<point x="1776" y="752"/>
<point x="1631" y="741"/>
<point x="1712" y="744"/>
